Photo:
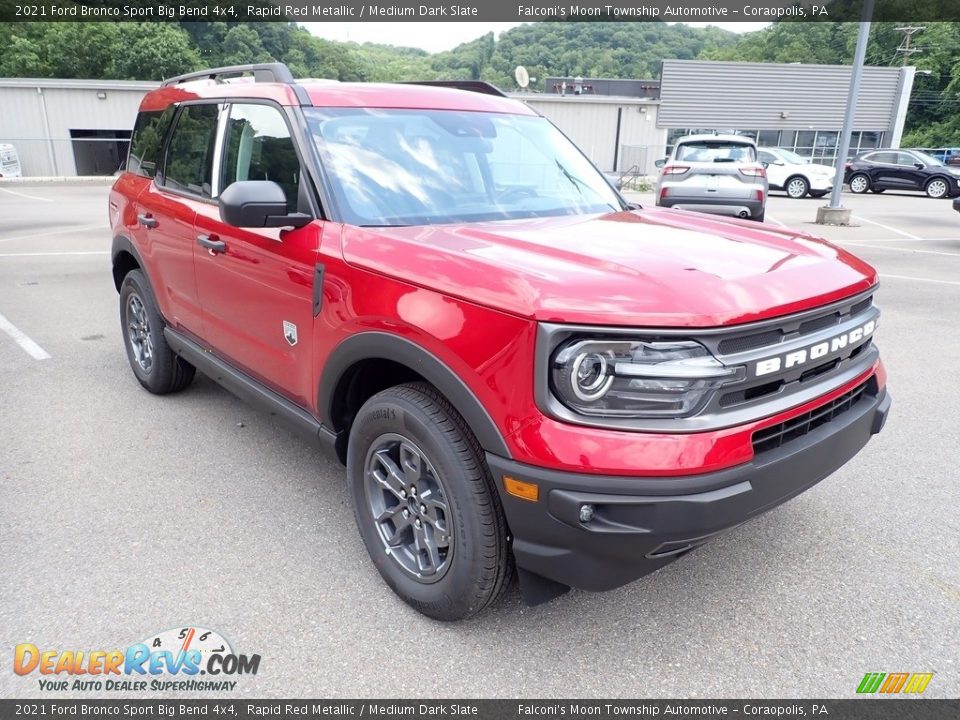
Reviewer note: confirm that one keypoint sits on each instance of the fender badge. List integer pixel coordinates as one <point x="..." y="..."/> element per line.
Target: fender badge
<point x="290" y="332"/>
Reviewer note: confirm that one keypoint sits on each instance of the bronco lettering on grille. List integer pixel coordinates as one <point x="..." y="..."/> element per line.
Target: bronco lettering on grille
<point x="815" y="352"/>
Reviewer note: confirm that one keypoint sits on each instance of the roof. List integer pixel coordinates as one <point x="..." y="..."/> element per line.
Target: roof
<point x="335" y="94"/>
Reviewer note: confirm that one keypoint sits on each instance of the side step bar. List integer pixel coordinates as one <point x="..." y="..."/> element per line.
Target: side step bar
<point x="250" y="391"/>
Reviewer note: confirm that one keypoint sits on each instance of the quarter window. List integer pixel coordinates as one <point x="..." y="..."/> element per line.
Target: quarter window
<point x="148" y="134"/>
<point x="189" y="165"/>
<point x="259" y="147"/>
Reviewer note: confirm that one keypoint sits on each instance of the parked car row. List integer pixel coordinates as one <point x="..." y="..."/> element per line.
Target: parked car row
<point x="730" y="175"/>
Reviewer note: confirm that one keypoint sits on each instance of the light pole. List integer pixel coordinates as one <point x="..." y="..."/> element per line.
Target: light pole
<point x="835" y="213"/>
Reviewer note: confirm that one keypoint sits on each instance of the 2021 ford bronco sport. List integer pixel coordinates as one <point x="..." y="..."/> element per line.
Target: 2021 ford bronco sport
<point x="522" y="372"/>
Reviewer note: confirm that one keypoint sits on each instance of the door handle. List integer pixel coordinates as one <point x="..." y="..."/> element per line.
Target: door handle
<point x="147" y="220"/>
<point x="212" y="243"/>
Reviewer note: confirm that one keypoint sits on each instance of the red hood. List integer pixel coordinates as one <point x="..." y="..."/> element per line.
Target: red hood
<point x="642" y="268"/>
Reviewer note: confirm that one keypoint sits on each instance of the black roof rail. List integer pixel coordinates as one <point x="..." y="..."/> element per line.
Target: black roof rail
<point x="262" y="72"/>
<point x="477" y="86"/>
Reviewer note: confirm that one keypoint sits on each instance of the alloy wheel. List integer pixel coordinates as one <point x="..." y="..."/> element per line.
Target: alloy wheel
<point x="858" y="184"/>
<point x="937" y="189"/>
<point x="797" y="188"/>
<point x="407" y="500"/>
<point x="138" y="332"/>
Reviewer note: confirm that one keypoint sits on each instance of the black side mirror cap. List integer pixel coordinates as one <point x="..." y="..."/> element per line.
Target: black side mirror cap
<point x="258" y="203"/>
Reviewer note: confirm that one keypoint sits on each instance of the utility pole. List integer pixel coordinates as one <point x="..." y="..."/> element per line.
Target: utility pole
<point x="908" y="32"/>
<point x="835" y="213"/>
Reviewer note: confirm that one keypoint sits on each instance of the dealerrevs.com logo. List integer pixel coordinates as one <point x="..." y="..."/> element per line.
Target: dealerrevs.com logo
<point x="168" y="661"/>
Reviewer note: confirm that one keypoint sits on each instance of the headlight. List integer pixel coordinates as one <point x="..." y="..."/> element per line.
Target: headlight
<point x="637" y="378"/>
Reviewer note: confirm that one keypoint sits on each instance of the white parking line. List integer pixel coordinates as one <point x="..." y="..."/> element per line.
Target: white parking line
<point x="775" y="221"/>
<point x="28" y="345"/>
<point x="920" y="279"/>
<point x="890" y="248"/>
<point x="55" y="254"/>
<point x="24" y="195"/>
<point x="886" y="227"/>
<point x="65" y="231"/>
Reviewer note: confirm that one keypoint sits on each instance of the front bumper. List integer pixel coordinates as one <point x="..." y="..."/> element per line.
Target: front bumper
<point x="641" y="524"/>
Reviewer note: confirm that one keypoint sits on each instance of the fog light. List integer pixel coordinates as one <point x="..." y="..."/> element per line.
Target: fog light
<point x="586" y="513"/>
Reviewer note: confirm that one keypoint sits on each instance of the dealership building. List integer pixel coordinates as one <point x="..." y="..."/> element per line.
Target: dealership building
<point x="82" y="127"/>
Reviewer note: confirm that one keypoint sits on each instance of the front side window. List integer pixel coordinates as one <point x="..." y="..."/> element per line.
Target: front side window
<point x="147" y="141"/>
<point x="189" y="166"/>
<point x="258" y="147"/>
<point x="423" y="167"/>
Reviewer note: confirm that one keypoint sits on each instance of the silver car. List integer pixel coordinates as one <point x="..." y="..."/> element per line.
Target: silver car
<point x="715" y="174"/>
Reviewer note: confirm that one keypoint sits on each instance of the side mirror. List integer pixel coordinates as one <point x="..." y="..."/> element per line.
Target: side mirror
<point x="919" y="166"/>
<point x="258" y="204"/>
<point x="660" y="163"/>
<point x="765" y="165"/>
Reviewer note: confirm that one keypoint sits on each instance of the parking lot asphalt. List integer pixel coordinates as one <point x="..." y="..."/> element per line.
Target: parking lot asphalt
<point x="124" y="514"/>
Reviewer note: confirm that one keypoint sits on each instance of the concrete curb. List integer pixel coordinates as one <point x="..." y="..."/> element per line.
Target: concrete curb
<point x="95" y="180"/>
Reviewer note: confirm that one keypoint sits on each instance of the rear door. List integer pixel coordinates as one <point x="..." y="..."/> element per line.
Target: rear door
<point x="256" y="291"/>
<point x="884" y="171"/>
<point x="167" y="207"/>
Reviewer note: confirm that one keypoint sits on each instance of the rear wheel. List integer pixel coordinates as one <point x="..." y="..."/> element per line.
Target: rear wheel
<point x="758" y="218"/>
<point x="426" y="505"/>
<point x="859" y="183"/>
<point x="155" y="365"/>
<point x="797" y="187"/>
<point x="937" y="188"/>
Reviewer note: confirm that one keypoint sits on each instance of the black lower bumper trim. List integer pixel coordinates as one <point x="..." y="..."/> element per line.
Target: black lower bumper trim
<point x="637" y="525"/>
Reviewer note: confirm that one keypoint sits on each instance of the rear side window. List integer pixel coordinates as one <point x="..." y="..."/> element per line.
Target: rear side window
<point x="189" y="166"/>
<point x="259" y="147"/>
<point x="716" y="152"/>
<point x="147" y="141"/>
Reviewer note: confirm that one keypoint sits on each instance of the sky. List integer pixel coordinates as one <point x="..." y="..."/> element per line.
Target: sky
<point x="438" y="36"/>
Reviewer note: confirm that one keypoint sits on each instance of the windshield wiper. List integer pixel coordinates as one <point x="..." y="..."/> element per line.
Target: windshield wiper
<point x="566" y="173"/>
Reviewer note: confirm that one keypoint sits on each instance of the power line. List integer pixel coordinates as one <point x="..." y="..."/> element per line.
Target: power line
<point x="908" y="32"/>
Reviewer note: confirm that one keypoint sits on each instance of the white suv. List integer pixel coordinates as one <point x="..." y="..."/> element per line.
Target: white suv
<point x="795" y="175"/>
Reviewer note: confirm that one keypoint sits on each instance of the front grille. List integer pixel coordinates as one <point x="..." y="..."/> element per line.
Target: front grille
<point x="749" y="342"/>
<point x="777" y="435"/>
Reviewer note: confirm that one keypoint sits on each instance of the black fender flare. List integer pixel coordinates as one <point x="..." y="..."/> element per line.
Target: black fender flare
<point x="121" y="243"/>
<point x="375" y="345"/>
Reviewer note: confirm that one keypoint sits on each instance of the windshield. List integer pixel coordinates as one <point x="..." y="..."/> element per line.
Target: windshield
<point x="791" y="157"/>
<point x="425" y="167"/>
<point x="716" y="151"/>
<point x="927" y="159"/>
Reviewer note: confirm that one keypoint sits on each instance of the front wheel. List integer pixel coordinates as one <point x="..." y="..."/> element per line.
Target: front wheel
<point x="937" y="188"/>
<point x="797" y="187"/>
<point x="426" y="505"/>
<point x="859" y="183"/>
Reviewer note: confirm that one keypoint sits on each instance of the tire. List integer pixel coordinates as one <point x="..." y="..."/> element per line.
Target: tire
<point x="758" y="218"/>
<point x="796" y="187"/>
<point x="877" y="190"/>
<point x="155" y="365"/>
<point x="818" y="193"/>
<point x="937" y="188"/>
<point x="859" y="183"/>
<point x="457" y="561"/>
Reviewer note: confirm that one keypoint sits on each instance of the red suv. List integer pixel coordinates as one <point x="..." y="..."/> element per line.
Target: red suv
<point x="521" y="371"/>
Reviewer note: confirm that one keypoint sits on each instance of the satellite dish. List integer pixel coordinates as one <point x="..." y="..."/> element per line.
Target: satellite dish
<point x="522" y="76"/>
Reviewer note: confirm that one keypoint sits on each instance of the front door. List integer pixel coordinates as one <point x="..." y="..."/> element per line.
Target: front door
<point x="256" y="284"/>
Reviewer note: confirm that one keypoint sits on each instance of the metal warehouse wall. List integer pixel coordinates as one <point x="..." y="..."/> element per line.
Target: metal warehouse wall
<point x="36" y="116"/>
<point x="705" y="94"/>
<point x="591" y="123"/>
